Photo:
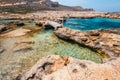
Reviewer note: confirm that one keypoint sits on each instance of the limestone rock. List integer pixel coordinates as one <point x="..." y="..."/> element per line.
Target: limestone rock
<point x="67" y="68"/>
<point x="52" y="24"/>
<point x="15" y="33"/>
<point x="103" y="41"/>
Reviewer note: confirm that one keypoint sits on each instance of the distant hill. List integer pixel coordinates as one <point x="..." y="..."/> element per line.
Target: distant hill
<point x="35" y="5"/>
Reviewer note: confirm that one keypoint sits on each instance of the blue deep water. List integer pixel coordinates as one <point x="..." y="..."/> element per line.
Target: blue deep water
<point x="91" y="23"/>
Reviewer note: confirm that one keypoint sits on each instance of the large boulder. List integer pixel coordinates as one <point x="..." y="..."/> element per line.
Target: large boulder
<point x="53" y="25"/>
<point x="67" y="68"/>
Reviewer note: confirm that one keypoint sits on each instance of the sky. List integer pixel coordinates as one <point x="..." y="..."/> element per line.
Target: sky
<point x="98" y="5"/>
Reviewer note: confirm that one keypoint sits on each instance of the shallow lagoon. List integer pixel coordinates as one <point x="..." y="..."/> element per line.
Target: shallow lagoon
<point x="91" y="23"/>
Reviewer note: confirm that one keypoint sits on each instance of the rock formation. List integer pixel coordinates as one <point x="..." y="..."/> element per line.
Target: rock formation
<point x="103" y="41"/>
<point x="3" y="28"/>
<point x="16" y="33"/>
<point x="52" y="24"/>
<point x="66" y="68"/>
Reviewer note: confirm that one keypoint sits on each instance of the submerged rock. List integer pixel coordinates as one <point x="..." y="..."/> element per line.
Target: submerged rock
<point x="67" y="68"/>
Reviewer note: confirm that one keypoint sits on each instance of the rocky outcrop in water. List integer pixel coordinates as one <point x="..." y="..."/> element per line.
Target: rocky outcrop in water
<point x="103" y="41"/>
<point x="66" y="68"/>
<point x="52" y="24"/>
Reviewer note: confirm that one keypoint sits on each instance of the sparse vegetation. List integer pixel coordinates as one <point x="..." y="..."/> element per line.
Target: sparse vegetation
<point x="22" y="8"/>
<point x="30" y="6"/>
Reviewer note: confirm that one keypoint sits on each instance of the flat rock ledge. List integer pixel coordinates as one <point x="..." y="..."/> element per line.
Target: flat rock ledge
<point x="16" y="33"/>
<point x="57" y="67"/>
<point x="103" y="41"/>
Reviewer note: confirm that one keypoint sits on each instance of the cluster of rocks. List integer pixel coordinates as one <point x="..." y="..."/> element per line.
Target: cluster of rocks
<point x="104" y="41"/>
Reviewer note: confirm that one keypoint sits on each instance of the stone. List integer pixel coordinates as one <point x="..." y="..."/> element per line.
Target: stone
<point x="93" y="33"/>
<point x="52" y="24"/>
<point x="40" y="23"/>
<point x="3" y="28"/>
<point x="20" y="24"/>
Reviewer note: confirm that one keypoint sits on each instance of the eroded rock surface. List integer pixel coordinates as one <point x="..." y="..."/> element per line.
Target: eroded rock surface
<point x="66" y="68"/>
<point x="15" y="33"/>
<point x="104" y="41"/>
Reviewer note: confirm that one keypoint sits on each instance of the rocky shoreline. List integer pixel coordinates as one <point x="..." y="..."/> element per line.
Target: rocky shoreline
<point x="59" y="15"/>
<point x="50" y="68"/>
<point x="103" y="41"/>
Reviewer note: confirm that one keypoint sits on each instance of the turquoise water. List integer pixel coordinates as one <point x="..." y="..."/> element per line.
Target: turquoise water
<point x="91" y="23"/>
